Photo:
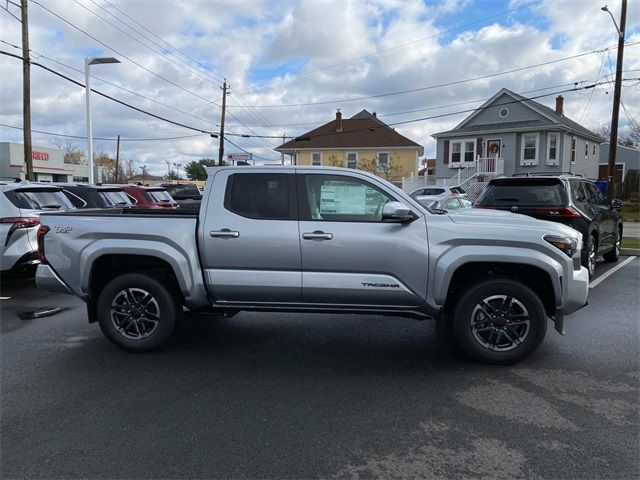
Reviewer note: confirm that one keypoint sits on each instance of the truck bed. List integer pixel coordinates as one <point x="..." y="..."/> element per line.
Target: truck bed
<point x="137" y="212"/>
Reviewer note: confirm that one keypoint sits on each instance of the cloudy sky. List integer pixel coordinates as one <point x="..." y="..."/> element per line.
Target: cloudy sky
<point x="291" y="64"/>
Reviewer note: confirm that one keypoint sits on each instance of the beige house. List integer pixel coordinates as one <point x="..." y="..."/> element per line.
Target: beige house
<point x="362" y="142"/>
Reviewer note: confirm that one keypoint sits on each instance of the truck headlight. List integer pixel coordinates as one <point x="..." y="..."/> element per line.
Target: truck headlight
<point x="568" y="245"/>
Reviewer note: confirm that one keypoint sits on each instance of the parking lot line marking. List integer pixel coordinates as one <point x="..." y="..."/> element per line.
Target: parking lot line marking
<point x="607" y="274"/>
<point x="5" y="298"/>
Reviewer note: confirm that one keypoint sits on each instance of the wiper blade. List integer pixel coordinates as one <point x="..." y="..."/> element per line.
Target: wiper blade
<point x="507" y="199"/>
<point x="51" y="206"/>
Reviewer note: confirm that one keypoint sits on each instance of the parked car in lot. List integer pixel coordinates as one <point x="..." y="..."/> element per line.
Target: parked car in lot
<point x="83" y="195"/>
<point x="149" y="197"/>
<point x="447" y="203"/>
<point x="440" y="192"/>
<point x="568" y="199"/>
<point x="21" y="204"/>
<point x="314" y="239"/>
<point x="188" y="195"/>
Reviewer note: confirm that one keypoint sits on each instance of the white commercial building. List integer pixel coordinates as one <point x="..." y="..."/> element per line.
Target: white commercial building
<point x="48" y="165"/>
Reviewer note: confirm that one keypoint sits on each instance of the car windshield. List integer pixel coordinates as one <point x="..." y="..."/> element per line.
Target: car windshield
<point x="158" y="196"/>
<point x="114" y="197"/>
<point x="523" y="193"/>
<point x="39" y="199"/>
<point x="183" y="190"/>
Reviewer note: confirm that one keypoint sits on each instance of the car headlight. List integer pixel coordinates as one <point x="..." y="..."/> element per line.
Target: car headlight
<point x="567" y="245"/>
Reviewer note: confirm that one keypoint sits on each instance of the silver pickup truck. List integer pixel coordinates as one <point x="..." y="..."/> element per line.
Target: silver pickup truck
<point x="314" y="239"/>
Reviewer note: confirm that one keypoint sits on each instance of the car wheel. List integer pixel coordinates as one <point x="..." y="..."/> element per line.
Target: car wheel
<point x="590" y="254"/>
<point x="137" y="312"/>
<point x="499" y="321"/>
<point x="614" y="254"/>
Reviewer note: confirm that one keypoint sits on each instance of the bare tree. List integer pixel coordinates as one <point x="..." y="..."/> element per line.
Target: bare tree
<point x="604" y="130"/>
<point x="72" y="154"/>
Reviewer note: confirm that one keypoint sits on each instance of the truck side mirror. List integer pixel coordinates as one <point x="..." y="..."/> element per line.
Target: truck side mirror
<point x="397" y="212"/>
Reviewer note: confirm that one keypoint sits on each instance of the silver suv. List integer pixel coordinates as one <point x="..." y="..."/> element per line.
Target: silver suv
<point x="20" y="206"/>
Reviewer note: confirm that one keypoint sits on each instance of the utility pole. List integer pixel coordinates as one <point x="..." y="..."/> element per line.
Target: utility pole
<point x="26" y="91"/>
<point x="282" y="153"/>
<point x="117" y="159"/>
<point x="224" y="107"/>
<point x="613" y="139"/>
<point x="144" y="169"/>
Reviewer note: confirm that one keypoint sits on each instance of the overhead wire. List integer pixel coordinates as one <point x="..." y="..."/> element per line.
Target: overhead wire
<point x="117" y="52"/>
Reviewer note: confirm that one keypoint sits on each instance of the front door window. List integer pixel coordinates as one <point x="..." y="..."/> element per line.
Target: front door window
<point x="493" y="148"/>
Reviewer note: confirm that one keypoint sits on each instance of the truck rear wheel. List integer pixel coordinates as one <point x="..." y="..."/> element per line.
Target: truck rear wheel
<point x="499" y="321"/>
<point x="136" y="312"/>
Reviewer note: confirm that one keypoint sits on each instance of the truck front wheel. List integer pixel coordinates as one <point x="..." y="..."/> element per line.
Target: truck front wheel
<point x="136" y="312"/>
<point x="499" y="321"/>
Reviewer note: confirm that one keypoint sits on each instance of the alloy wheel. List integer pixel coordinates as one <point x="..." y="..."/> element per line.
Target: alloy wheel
<point x="500" y="323"/>
<point x="592" y="256"/>
<point x="135" y="313"/>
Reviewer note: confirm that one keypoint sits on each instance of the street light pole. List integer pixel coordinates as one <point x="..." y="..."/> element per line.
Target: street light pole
<point x="613" y="139"/>
<point x="87" y="82"/>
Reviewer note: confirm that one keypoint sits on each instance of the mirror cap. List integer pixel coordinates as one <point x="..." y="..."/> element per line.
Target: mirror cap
<point x="397" y="212"/>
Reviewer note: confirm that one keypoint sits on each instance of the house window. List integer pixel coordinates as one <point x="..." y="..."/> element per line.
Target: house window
<point x="383" y="162"/>
<point x="316" y="158"/>
<point x="586" y="149"/>
<point x="594" y="149"/>
<point x="463" y="151"/>
<point x="573" y="149"/>
<point x="552" y="149"/>
<point x="529" y="153"/>
<point x="352" y="160"/>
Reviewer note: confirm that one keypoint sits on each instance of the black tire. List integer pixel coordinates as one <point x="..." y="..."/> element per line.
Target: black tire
<point x="154" y="322"/>
<point x="614" y="254"/>
<point x="476" y="342"/>
<point x="590" y="254"/>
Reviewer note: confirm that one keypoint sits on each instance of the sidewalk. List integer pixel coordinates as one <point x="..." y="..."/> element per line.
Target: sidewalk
<point x="631" y="230"/>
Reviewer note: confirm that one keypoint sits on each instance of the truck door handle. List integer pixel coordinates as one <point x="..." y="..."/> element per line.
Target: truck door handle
<point x="224" y="233"/>
<point x="317" y="235"/>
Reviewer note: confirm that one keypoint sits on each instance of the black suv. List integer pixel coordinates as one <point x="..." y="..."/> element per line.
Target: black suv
<point x="569" y="199"/>
<point x="83" y="195"/>
<point x="186" y="194"/>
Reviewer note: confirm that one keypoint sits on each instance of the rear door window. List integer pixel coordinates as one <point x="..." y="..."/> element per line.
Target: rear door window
<point x="532" y="193"/>
<point x="38" y="199"/>
<point x="593" y="193"/>
<point x="263" y="196"/>
<point x="577" y="192"/>
<point x="115" y="197"/>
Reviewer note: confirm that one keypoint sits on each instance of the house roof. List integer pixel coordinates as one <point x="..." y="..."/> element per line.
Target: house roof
<point x="554" y="118"/>
<point x="363" y="130"/>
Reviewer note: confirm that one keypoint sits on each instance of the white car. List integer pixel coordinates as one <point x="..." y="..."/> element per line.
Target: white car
<point x="438" y="192"/>
<point x="20" y="206"/>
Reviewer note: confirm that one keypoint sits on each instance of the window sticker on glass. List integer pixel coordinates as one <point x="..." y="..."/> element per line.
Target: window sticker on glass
<point x="347" y="199"/>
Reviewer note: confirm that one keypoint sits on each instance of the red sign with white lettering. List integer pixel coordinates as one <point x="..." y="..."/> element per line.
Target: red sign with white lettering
<point x="40" y="156"/>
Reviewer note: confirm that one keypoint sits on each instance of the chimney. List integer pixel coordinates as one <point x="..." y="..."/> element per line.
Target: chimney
<point x="338" y="120"/>
<point x="375" y="115"/>
<point x="560" y="105"/>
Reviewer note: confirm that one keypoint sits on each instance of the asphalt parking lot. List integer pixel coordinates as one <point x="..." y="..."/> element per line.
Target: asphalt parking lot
<point x="308" y="396"/>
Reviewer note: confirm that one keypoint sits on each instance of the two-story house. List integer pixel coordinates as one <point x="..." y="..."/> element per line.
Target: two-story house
<point x="510" y="134"/>
<point x="362" y="141"/>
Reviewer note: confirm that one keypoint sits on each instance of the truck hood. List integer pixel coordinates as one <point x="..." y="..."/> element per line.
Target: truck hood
<point x="500" y="218"/>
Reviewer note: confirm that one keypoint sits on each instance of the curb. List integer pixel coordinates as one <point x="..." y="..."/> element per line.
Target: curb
<point x="630" y="251"/>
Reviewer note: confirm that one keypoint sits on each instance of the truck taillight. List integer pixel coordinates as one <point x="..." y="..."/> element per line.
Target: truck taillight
<point x="42" y="230"/>
<point x="21" y="222"/>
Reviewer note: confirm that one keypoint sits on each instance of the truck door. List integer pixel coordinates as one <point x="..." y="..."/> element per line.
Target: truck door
<point x="250" y="239"/>
<point x="351" y="257"/>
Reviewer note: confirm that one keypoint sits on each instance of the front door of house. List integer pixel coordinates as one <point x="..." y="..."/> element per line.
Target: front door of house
<point x="493" y="148"/>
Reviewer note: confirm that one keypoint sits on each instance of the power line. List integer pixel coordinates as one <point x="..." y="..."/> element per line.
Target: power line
<point x="422" y="119"/>
<point x="6" y="9"/>
<point x="121" y="54"/>
<point x="379" y="52"/>
<point x="159" y="117"/>
<point x="197" y="73"/>
<point x="246" y="151"/>
<point x="63" y="135"/>
<point x="430" y="87"/>
<point x="204" y="67"/>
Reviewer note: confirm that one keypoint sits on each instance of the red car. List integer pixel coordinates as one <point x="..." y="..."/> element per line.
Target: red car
<point x="149" y="197"/>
